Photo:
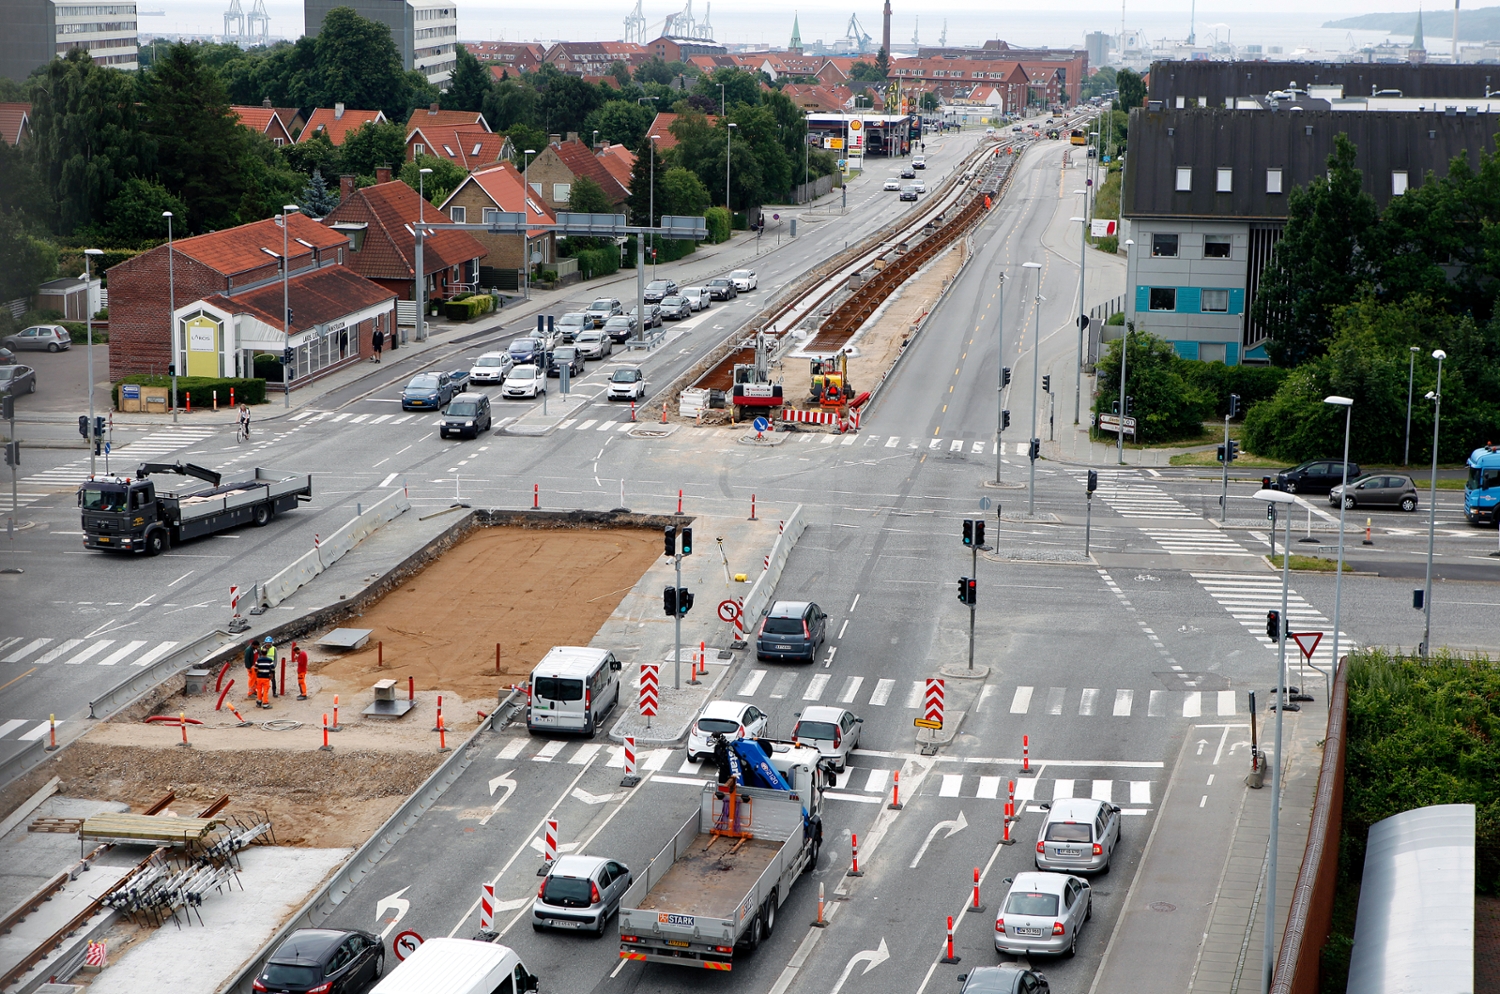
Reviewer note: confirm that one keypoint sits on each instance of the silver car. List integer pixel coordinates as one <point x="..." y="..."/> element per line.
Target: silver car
<point x="1078" y="835"/>
<point x="40" y="337"/>
<point x="675" y="307"/>
<point x="1043" y="913"/>
<point x="834" y="732"/>
<point x="579" y="894"/>
<point x="594" y="344"/>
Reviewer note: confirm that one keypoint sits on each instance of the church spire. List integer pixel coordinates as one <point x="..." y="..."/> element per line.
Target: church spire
<point x="796" y="43"/>
<point x="1417" y="53"/>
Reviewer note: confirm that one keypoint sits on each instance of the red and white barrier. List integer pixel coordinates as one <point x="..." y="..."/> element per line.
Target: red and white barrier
<point x="487" y="908"/>
<point x="629" y="755"/>
<point x="551" y="853"/>
<point x="809" y="417"/>
<point x="854" y="857"/>
<point x="932" y="701"/>
<point x="95" y="955"/>
<point x="1026" y="754"/>
<point x="950" y="958"/>
<point x="650" y="689"/>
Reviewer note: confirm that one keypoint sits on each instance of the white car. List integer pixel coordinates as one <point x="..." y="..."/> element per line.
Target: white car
<point x="525" y="381"/>
<point x="744" y="280"/>
<point x="491" y="367"/>
<point x="698" y="297"/>
<point x="732" y="719"/>
<point x="834" y="732"/>
<point x="627" y="383"/>
<point x="892" y="185"/>
<point x="593" y="344"/>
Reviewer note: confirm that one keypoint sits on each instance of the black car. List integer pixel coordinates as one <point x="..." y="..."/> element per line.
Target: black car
<point x="323" y="961"/>
<point x="568" y="356"/>
<point x="1007" y="978"/>
<point x="1316" y="476"/>
<point x="793" y="630"/>
<point x="721" y="289"/>
<point x="467" y="414"/>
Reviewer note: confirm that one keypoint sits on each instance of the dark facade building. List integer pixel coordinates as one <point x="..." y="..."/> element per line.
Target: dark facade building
<point x="1209" y="84"/>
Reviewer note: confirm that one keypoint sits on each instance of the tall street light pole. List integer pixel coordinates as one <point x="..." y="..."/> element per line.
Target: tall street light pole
<point x="1083" y="248"/>
<point x="1124" y="353"/>
<point x="526" y="235"/>
<point x="1268" y="963"/>
<point x="1436" y="396"/>
<point x="287" y="210"/>
<point x="88" y="281"/>
<point x="1411" y="369"/>
<point x="1347" y="403"/>
<point x="1036" y="372"/>
<point x="728" y="148"/>
<point x="172" y="311"/>
<point x="1000" y="380"/>
<point x="652" y="222"/>
<point x="420" y="283"/>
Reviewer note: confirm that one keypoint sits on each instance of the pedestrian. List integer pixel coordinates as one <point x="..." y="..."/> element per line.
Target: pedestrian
<point x="377" y="341"/>
<point x="265" y="672"/>
<point x="300" y="655"/>
<point x="250" y="668"/>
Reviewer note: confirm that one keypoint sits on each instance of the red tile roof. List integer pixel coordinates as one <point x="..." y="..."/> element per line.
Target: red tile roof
<point x="422" y="117"/>
<point x="15" y="121"/>
<point x="504" y="185"/>
<point x="469" y="147"/>
<point x="662" y="125"/>
<point x="389" y="247"/>
<point x="315" y="298"/>
<point x="238" y="250"/>
<point x="255" y="118"/>
<point x="620" y="161"/>
<point x="336" y="127"/>
<point x="582" y="162"/>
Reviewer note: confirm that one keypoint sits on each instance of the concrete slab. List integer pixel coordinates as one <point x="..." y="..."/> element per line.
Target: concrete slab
<point x="276" y="879"/>
<point x="28" y="860"/>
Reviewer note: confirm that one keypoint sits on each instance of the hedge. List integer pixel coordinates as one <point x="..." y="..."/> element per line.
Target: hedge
<point x="468" y="307"/>
<point x="248" y="391"/>
<point x="597" y="262"/>
<point x="717" y="219"/>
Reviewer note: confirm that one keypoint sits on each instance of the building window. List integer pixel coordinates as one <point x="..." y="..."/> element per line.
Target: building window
<point x="1163" y="298"/>
<point x="1273" y="180"/>
<point x="1164" y="246"/>
<point x="1216" y="246"/>
<point x="1398" y="182"/>
<point x="1225" y="181"/>
<point x="561" y="191"/>
<point x="278" y="142"/>
<point x="1181" y="102"/>
<point x="1215" y="302"/>
<point x="418" y="149"/>
<point x="460" y="215"/>
<point x="1184" y="179"/>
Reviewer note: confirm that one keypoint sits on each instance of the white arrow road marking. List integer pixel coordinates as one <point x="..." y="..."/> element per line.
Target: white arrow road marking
<point x="503" y="780"/>
<point x="502" y="907"/>
<point x="582" y="795"/>
<point x="871" y="958"/>
<point x="396" y="902"/>
<point x="540" y="845"/>
<point x="1201" y="744"/>
<point x="947" y="827"/>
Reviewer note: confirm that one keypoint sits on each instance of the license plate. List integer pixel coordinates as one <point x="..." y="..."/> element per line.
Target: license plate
<point x="1070" y="852"/>
<point x="783" y="647"/>
<point x="679" y="944"/>
<point x="543" y="719"/>
<point x="1022" y="930"/>
<point x="103" y="538"/>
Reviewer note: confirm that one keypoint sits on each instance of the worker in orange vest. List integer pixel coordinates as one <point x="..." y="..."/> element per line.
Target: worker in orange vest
<point x="300" y="655"/>
<point x="265" y="672"/>
<point x="250" y="668"/>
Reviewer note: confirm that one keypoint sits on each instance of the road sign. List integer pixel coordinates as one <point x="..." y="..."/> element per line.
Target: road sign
<point x="760" y="424"/>
<point x="1111" y="423"/>
<point x="932" y="702"/>
<point x="728" y="610"/>
<point x="833" y="143"/>
<point x="1310" y="644"/>
<point x="775" y="217"/>
<point x="405" y="943"/>
<point x="650" y="689"/>
<point x="925" y="723"/>
<point x="985" y="504"/>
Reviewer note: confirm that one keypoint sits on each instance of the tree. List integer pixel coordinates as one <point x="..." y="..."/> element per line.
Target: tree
<point x="883" y="62"/>
<point x="866" y="72"/>
<point x="522" y="137"/>
<point x="445" y="177"/>
<point x="358" y="65"/>
<point x="20" y="187"/>
<point x="373" y="145"/>
<point x="657" y="71"/>
<point x="508" y="103"/>
<point x="317" y="201"/>
<point x="1098" y="83"/>
<point x="1322" y="261"/>
<point x="315" y="154"/>
<point x="565" y="100"/>
<point x="740" y="87"/>
<point x="622" y="122"/>
<point x="930" y="101"/>
<point x="26" y="262"/>
<point x="469" y="85"/>
<point x="682" y="193"/>
<point x="638" y="204"/>
<point x="621" y="72"/>
<point x="587" y="197"/>
<point x="1132" y="90"/>
<point x="134" y="214"/>
<point x="1167" y="405"/>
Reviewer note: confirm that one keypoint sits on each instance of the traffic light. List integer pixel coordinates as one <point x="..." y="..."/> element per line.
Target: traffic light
<point x="1082" y="322"/>
<point x="1004" y="420"/>
<point x="1234" y="405"/>
<point x="1219" y="453"/>
<point x="1265" y="483"/>
<point x="1271" y="512"/>
<point x="1234" y="450"/>
<point x="978" y="533"/>
<point x="1005" y="376"/>
<point x="1417" y="598"/>
<point x="286" y="357"/>
<point x="1273" y="626"/>
<point x="172" y="370"/>
<point x="684" y="600"/>
<point x="1093" y="483"/>
<point x="687" y="541"/>
<point x="967" y="590"/>
<point x="83" y="425"/>
<point x="12" y="453"/>
<point x="1046" y="383"/>
<point x="1114" y="407"/>
<point x="968" y="533"/>
<point x="669" y="600"/>
<point x="669" y="542"/>
<point x="7" y="406"/>
<point x="1129" y="406"/>
<point x="99" y="427"/>
<point x="1036" y="449"/>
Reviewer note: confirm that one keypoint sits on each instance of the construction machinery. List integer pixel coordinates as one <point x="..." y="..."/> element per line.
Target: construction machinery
<point x="752" y="381"/>
<point x="831" y="388"/>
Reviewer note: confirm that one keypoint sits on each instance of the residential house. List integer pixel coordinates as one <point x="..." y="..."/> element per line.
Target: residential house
<point x="511" y="55"/>
<point x="433" y="116"/>
<point x="264" y="120"/>
<point x="1019" y="82"/>
<point x="15" y="122"/>
<point x="819" y="98"/>
<point x="620" y="161"/>
<point x="468" y="147"/>
<point x="378" y="223"/>
<point x="662" y="125"/>
<point x="554" y="171"/>
<point x="593" y="58"/>
<point x="338" y="121"/>
<point x="224" y="262"/>
<point x="500" y="188"/>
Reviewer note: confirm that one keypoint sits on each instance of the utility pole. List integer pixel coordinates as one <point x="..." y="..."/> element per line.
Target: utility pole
<point x="677" y="615"/>
<point x="1083" y="321"/>
<point x="88" y="281"/>
<point x="1000" y="390"/>
<point x="1036" y="373"/>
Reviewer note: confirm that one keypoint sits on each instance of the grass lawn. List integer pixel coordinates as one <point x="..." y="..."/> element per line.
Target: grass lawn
<point x="1308" y="564"/>
<point x="1209" y="457"/>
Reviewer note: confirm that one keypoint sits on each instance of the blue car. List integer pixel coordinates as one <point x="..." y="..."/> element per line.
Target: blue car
<point x="432" y="391"/>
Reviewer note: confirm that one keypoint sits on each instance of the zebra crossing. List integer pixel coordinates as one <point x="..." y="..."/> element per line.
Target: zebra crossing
<point x="24" y="729"/>
<point x="1247" y="598"/>
<point x="76" y="651"/>
<point x="1135" y="498"/>
<point x="1197" y="542"/>
<point x="126" y="457"/>
<point x="1083" y="702"/>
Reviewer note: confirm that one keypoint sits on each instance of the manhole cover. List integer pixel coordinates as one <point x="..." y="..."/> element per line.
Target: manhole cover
<point x="1163" y="906"/>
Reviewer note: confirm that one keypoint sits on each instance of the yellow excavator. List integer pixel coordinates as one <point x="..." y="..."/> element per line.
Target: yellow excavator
<point x="831" y="388"/>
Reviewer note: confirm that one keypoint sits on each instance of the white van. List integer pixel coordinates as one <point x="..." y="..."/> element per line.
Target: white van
<point x="571" y="689"/>
<point x="459" y="966"/>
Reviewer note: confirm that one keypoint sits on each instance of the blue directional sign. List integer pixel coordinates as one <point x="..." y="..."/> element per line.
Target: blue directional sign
<point x="761" y="424"/>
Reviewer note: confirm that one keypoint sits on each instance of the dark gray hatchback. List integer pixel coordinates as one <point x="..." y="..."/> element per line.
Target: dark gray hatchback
<point x="792" y="630"/>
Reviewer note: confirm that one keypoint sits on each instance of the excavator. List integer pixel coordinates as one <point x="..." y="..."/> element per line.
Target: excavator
<point x="831" y="388"/>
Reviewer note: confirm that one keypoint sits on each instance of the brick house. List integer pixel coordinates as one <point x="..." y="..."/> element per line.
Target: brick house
<point x="467" y="147"/>
<point x="500" y="188"/>
<point x="265" y="120"/>
<point x="662" y="123"/>
<point x="507" y="55"/>
<point x="377" y="225"/>
<point x="620" y="161"/>
<point x="140" y="298"/>
<point x="554" y="171"/>
<point x="338" y="121"/>
<point x="15" y="122"/>
<point x="593" y="58"/>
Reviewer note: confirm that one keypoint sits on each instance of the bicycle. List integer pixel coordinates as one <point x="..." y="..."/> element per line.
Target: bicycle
<point x="242" y="434"/>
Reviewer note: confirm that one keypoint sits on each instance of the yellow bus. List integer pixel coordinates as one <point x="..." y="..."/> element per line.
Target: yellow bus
<point x="1076" y="136"/>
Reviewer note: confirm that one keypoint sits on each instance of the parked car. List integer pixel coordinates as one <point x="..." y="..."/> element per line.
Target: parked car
<point x="721" y="289"/>
<point x="908" y="173"/>
<point x="603" y="309"/>
<point x="17" y="379"/>
<point x="1043" y="913"/>
<point x="619" y="328"/>
<point x="580" y="893"/>
<point x="594" y="345"/>
<point x="430" y="391"/>
<point x="653" y="316"/>
<point x="658" y="289"/>
<point x="570" y="324"/>
<point x="908" y="193"/>
<point x="733" y="719"/>
<point x="7" y="357"/>
<point x="1377" y="491"/>
<point x="467" y="414"/>
<point x="491" y="367"/>
<point x="834" y="732"/>
<point x="676" y="308"/>
<point x="526" y="352"/>
<point x="565" y="356"/>
<point x="41" y="338"/>
<point x="323" y="961"/>
<point x="744" y="280"/>
<point x="1078" y="835"/>
<point x="792" y="630"/>
<point x="627" y="383"/>
<point x="1007" y="978"/>
<point x="892" y="185"/>
<point x="696" y="296"/>
<point x="525" y="381"/>
<point x="1314" y="476"/>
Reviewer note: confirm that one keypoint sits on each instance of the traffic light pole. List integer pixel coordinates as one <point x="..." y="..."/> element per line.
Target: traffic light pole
<point x="677" y="614"/>
<point x="973" y="573"/>
<point x="1000" y="390"/>
<point x="1224" y="500"/>
<point x="1267" y="955"/>
<point x="1088" y="522"/>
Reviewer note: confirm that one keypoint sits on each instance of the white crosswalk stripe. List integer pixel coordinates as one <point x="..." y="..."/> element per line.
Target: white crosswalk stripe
<point x="70" y="475"/>
<point x="1028" y="787"/>
<point x="1247" y="598"/>
<point x="1130" y="497"/>
<point x="1189" y="704"/>
<point x="1197" y="542"/>
<point x="101" y="652"/>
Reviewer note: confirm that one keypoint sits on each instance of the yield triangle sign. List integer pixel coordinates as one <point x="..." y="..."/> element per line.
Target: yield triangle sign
<point x="1307" y="642"/>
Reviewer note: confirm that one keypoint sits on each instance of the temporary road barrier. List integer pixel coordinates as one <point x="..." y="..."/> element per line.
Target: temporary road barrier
<point x="631" y="778"/>
<point x="854" y="870"/>
<point x="442" y="736"/>
<point x="95" y="955"/>
<point x="325" y="746"/>
<point x="976" y="906"/>
<point x="752" y="508"/>
<point x="821" y="922"/>
<point x="335" y="727"/>
<point x="438" y="722"/>
<point x="950" y="958"/>
<point x="487" y="908"/>
<point x="1368" y="540"/>
<point x="52" y="733"/>
<point x="932" y="702"/>
<point x="182" y="720"/>
<point x="650" y="690"/>
<point x="895" y="804"/>
<point x="536" y="496"/>
<point x="1026" y="754"/>
<point x="679" y="502"/>
<point x="1010" y="813"/>
<point x="551" y="853"/>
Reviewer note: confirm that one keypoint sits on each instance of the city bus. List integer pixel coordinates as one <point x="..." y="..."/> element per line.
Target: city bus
<point x="1076" y="136"/>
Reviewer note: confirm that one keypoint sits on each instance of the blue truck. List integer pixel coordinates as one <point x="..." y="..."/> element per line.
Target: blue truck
<point x="1482" y="489"/>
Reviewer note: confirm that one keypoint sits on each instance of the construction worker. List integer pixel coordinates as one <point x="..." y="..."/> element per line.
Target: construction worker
<point x="301" y="659"/>
<point x="250" y="668"/>
<point x="265" y="671"/>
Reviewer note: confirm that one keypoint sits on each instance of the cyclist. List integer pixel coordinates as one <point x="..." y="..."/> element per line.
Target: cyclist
<point x="244" y="431"/>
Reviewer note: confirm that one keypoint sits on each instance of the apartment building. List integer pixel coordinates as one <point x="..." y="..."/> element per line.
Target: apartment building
<point x="37" y="30"/>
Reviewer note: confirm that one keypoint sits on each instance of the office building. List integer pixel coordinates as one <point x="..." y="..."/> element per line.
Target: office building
<point x="37" y="30"/>
<point x="425" y="31"/>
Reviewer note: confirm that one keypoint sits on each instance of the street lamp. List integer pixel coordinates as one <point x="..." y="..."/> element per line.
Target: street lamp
<point x="1436" y="396"/>
<point x="1124" y="352"/>
<point x="172" y="311"/>
<point x="1411" y="369"/>
<point x="526" y="233"/>
<point x="1347" y="403"/>
<point x="286" y="305"/>
<point x="88" y="281"/>
<point x="728" y="148"/>
<point x="1000" y="379"/>
<point x="1036" y="364"/>
<point x="596" y="140"/>
<point x="651" y="222"/>
<point x="1267" y="963"/>
<point x="1083" y="247"/>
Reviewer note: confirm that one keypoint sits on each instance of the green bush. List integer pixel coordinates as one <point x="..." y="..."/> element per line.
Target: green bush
<point x="1168" y="406"/>
<point x="717" y="219"/>
<point x="469" y="307"/>
<point x="549" y="276"/>
<point x="593" y="263"/>
<point x="1253" y="383"/>
<point x="1117" y="319"/>
<point x="1109" y="243"/>
<point x="248" y="391"/>
<point x="78" y="332"/>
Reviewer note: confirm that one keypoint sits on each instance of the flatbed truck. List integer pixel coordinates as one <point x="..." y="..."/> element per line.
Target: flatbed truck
<point x="130" y="514"/>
